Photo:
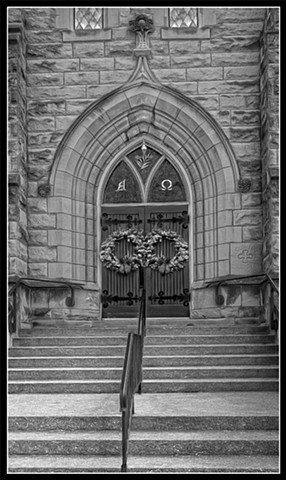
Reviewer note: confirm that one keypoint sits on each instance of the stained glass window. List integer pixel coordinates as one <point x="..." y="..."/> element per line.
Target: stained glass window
<point x="166" y="185"/>
<point x="122" y="186"/>
<point x="183" y="17"/>
<point x="88" y="18"/>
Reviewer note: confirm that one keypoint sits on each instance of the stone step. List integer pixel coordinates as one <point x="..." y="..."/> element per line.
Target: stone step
<point x="175" y="464"/>
<point x="161" y="350"/>
<point x="151" y="330"/>
<point x="80" y="324"/>
<point x="149" y="340"/>
<point x="153" y="411"/>
<point x="149" y="386"/>
<point x="108" y="442"/>
<point x="75" y="423"/>
<point x="148" y="361"/>
<point x="114" y="373"/>
<point x="155" y="422"/>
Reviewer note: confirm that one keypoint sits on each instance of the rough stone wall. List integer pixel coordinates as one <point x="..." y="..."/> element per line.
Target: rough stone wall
<point x="218" y="66"/>
<point x="17" y="146"/>
<point x="270" y="139"/>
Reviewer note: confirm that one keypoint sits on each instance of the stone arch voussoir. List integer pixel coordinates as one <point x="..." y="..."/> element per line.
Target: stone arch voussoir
<point x="168" y="119"/>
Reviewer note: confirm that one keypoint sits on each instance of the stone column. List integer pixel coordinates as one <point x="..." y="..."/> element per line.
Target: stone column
<point x="269" y="69"/>
<point x="17" y="150"/>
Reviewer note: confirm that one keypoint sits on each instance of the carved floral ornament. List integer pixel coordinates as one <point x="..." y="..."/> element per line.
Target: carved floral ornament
<point x="142" y="25"/>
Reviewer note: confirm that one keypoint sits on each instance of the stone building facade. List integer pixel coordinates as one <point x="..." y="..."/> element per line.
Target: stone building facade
<point x="205" y="96"/>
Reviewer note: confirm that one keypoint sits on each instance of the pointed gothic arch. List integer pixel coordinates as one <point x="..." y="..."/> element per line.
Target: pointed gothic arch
<point x="180" y="128"/>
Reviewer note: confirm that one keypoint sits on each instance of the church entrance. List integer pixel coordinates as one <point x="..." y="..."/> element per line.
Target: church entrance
<point x="145" y="238"/>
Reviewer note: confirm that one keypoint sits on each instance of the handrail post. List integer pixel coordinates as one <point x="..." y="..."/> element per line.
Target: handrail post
<point x="124" y="441"/>
<point x="131" y="380"/>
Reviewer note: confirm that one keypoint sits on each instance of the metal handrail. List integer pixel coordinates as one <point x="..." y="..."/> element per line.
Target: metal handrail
<point x="131" y="380"/>
<point x="12" y="319"/>
<point x="266" y="278"/>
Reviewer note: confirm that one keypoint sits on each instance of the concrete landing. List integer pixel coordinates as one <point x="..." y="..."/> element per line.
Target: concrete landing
<point x="141" y="465"/>
<point x="170" y="404"/>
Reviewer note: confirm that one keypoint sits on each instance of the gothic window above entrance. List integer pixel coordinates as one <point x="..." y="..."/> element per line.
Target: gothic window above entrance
<point x="144" y="175"/>
<point x="183" y="17"/>
<point x="88" y="18"/>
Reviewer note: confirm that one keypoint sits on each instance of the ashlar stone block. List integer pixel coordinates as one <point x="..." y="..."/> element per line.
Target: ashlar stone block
<point x="247" y="217"/>
<point x="60" y="270"/>
<point x="42" y="254"/>
<point x="38" y="237"/>
<point x="59" y="237"/>
<point x="251" y="296"/>
<point x="251" y="233"/>
<point x="41" y="221"/>
<point x="52" y="65"/>
<point x="81" y="78"/>
<point x="38" y="270"/>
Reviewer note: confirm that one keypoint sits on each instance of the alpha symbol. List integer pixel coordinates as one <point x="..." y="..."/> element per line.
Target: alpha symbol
<point x="163" y="186"/>
<point x="121" y="186"/>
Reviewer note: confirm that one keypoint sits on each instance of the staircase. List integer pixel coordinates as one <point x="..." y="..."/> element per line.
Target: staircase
<point x="209" y="402"/>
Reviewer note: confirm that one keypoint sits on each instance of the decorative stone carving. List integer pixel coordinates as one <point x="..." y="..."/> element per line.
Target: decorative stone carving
<point x="44" y="190"/>
<point x="244" y="185"/>
<point x="142" y="26"/>
<point x="246" y="258"/>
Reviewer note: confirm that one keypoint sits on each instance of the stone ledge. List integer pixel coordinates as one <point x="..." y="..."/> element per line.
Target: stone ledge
<point x="184" y="34"/>
<point x="90" y="36"/>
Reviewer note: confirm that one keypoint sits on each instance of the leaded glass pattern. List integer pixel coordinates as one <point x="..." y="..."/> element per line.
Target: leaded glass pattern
<point x="88" y="18"/>
<point x="183" y="17"/>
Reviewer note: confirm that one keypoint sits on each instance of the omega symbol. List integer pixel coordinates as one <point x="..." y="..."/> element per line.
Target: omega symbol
<point x="163" y="187"/>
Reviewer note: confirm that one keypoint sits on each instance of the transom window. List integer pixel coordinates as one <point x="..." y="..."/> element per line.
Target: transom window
<point x="144" y="175"/>
<point x="88" y="18"/>
<point x="183" y="17"/>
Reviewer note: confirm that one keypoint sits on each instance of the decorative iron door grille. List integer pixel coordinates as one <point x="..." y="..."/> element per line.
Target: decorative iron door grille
<point x="167" y="294"/>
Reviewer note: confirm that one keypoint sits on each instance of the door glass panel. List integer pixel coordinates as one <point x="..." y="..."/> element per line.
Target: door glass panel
<point x="166" y="185"/>
<point x="122" y="186"/>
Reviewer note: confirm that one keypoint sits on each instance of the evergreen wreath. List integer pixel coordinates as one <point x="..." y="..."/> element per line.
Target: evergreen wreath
<point x="144" y="252"/>
<point x="162" y="263"/>
<point x="130" y="261"/>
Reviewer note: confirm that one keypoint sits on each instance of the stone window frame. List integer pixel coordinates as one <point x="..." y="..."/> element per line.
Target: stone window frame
<point x="103" y="19"/>
<point x="65" y="22"/>
<point x="192" y="27"/>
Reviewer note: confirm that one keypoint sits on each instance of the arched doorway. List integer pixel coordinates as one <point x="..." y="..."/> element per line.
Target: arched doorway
<point x="145" y="193"/>
<point x="100" y="145"/>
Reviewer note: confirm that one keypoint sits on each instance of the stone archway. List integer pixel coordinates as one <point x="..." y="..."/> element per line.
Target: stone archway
<point x="164" y="117"/>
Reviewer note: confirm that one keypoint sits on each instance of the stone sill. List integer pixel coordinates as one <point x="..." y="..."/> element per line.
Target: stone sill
<point x="15" y="32"/>
<point x="184" y="33"/>
<point x="87" y="36"/>
<point x="274" y="172"/>
<point x="14" y="179"/>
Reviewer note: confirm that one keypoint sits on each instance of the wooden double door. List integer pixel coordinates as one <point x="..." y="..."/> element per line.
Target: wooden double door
<point x="167" y="294"/>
